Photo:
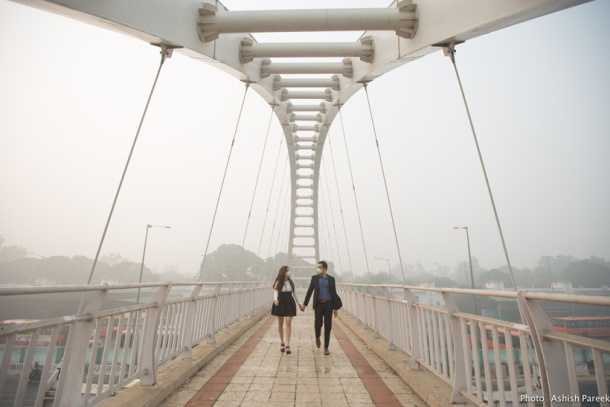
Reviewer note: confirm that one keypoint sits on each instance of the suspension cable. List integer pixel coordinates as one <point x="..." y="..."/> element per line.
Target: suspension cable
<point x="450" y="52"/>
<point x="332" y="216"/>
<point x="325" y="217"/>
<point x="277" y="208"/>
<point x="205" y="254"/>
<point x="280" y="243"/>
<point x="166" y="52"/>
<point x="349" y="258"/>
<point x="385" y="182"/>
<point x="260" y="165"/>
<point x="277" y="161"/>
<point x="349" y="164"/>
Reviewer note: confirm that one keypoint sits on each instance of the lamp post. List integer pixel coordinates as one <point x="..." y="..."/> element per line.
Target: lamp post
<point x="550" y="274"/>
<point x="388" y="260"/>
<point x="476" y="308"/>
<point x="144" y="255"/>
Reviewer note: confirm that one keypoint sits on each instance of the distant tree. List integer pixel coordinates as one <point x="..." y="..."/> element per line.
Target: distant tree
<point x="10" y="253"/>
<point x="523" y="277"/>
<point x="231" y="262"/>
<point x="444" y="282"/>
<point x="280" y="259"/>
<point x="461" y="273"/>
<point x="22" y="271"/>
<point x="111" y="258"/>
<point x="494" y="275"/>
<point x="587" y="273"/>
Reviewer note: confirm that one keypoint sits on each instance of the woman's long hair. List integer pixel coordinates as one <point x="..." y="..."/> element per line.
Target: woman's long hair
<point x="280" y="279"/>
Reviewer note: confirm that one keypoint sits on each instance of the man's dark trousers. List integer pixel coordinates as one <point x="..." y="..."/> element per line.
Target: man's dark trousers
<point x="324" y="313"/>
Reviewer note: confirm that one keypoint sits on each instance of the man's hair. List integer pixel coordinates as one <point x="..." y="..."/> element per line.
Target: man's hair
<point x="323" y="263"/>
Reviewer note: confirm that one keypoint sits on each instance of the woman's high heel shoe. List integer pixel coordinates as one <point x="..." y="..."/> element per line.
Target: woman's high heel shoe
<point x="282" y="348"/>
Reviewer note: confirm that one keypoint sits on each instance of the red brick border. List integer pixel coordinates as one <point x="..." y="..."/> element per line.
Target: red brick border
<point x="209" y="393"/>
<point x="378" y="390"/>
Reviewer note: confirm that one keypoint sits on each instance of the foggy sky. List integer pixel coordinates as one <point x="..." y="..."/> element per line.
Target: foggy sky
<point x="71" y="97"/>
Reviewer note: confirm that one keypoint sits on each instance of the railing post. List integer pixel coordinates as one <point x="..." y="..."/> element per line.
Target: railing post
<point x="551" y="354"/>
<point x="230" y="313"/>
<point x="413" y="328"/>
<point x="211" y="329"/>
<point x="375" y="317"/>
<point x="191" y="311"/>
<point x="150" y="334"/>
<point x="390" y="314"/>
<point x="69" y="387"/>
<point x="460" y="381"/>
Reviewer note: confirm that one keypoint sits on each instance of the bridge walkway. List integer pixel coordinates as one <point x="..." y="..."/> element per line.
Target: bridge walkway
<point x="251" y="371"/>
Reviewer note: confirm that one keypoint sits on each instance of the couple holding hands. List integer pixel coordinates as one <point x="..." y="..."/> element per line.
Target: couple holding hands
<point x="326" y="302"/>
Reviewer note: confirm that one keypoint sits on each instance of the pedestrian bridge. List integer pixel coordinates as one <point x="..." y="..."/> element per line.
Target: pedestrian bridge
<point x="206" y="343"/>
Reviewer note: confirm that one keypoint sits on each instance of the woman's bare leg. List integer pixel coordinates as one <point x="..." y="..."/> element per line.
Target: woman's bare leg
<point x="288" y="330"/>
<point x="280" y="328"/>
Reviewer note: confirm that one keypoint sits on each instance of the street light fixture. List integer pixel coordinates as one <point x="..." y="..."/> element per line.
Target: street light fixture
<point x="388" y="260"/>
<point x="144" y="255"/>
<point x="474" y="297"/>
<point x="550" y="274"/>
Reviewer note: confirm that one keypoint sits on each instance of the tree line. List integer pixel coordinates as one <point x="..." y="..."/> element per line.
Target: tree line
<point x="230" y="262"/>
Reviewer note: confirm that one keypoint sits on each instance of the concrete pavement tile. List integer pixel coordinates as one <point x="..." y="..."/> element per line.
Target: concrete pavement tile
<point x="410" y="400"/>
<point x="242" y="379"/>
<point x="329" y="384"/>
<point x="308" y="388"/>
<point x="350" y="381"/>
<point x="333" y="397"/>
<point x="238" y="387"/>
<point x="287" y="380"/>
<point x="221" y="403"/>
<point x="308" y="380"/>
<point x="236" y="396"/>
<point x="308" y="398"/>
<point x="335" y="403"/>
<point x="397" y="385"/>
<point x="385" y="399"/>
<point x="358" y="398"/>
<point x="257" y="396"/>
<point x="301" y="374"/>
<point x="355" y="388"/>
<point x="280" y="404"/>
<point x="260" y="380"/>
<point x="254" y="404"/>
<point x="266" y="373"/>
<point x="284" y="388"/>
<point x="286" y="397"/>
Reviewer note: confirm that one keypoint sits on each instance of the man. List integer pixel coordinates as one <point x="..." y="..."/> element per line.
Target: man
<point x="326" y="302"/>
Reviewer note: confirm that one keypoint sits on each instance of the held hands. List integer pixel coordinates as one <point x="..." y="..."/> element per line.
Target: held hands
<point x="302" y="307"/>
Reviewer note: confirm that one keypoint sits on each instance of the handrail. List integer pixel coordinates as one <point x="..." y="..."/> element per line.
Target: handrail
<point x="486" y="360"/>
<point x="104" y="350"/>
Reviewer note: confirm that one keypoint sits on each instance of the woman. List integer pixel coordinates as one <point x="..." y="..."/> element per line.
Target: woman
<point x="284" y="305"/>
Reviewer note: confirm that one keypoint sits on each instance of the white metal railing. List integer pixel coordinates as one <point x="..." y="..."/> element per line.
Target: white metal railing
<point x="488" y="361"/>
<point x="86" y="357"/>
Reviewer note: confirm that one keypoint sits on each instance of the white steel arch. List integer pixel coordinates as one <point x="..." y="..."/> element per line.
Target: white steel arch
<point x="306" y="107"/>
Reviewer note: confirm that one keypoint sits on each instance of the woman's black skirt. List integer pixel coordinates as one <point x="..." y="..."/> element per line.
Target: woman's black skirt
<point x="287" y="307"/>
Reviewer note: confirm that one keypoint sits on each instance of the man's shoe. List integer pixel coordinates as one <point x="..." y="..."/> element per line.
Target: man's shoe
<point x="318" y="343"/>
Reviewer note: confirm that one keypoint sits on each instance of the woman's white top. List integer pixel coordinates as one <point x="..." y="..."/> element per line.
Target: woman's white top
<point x="287" y="288"/>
